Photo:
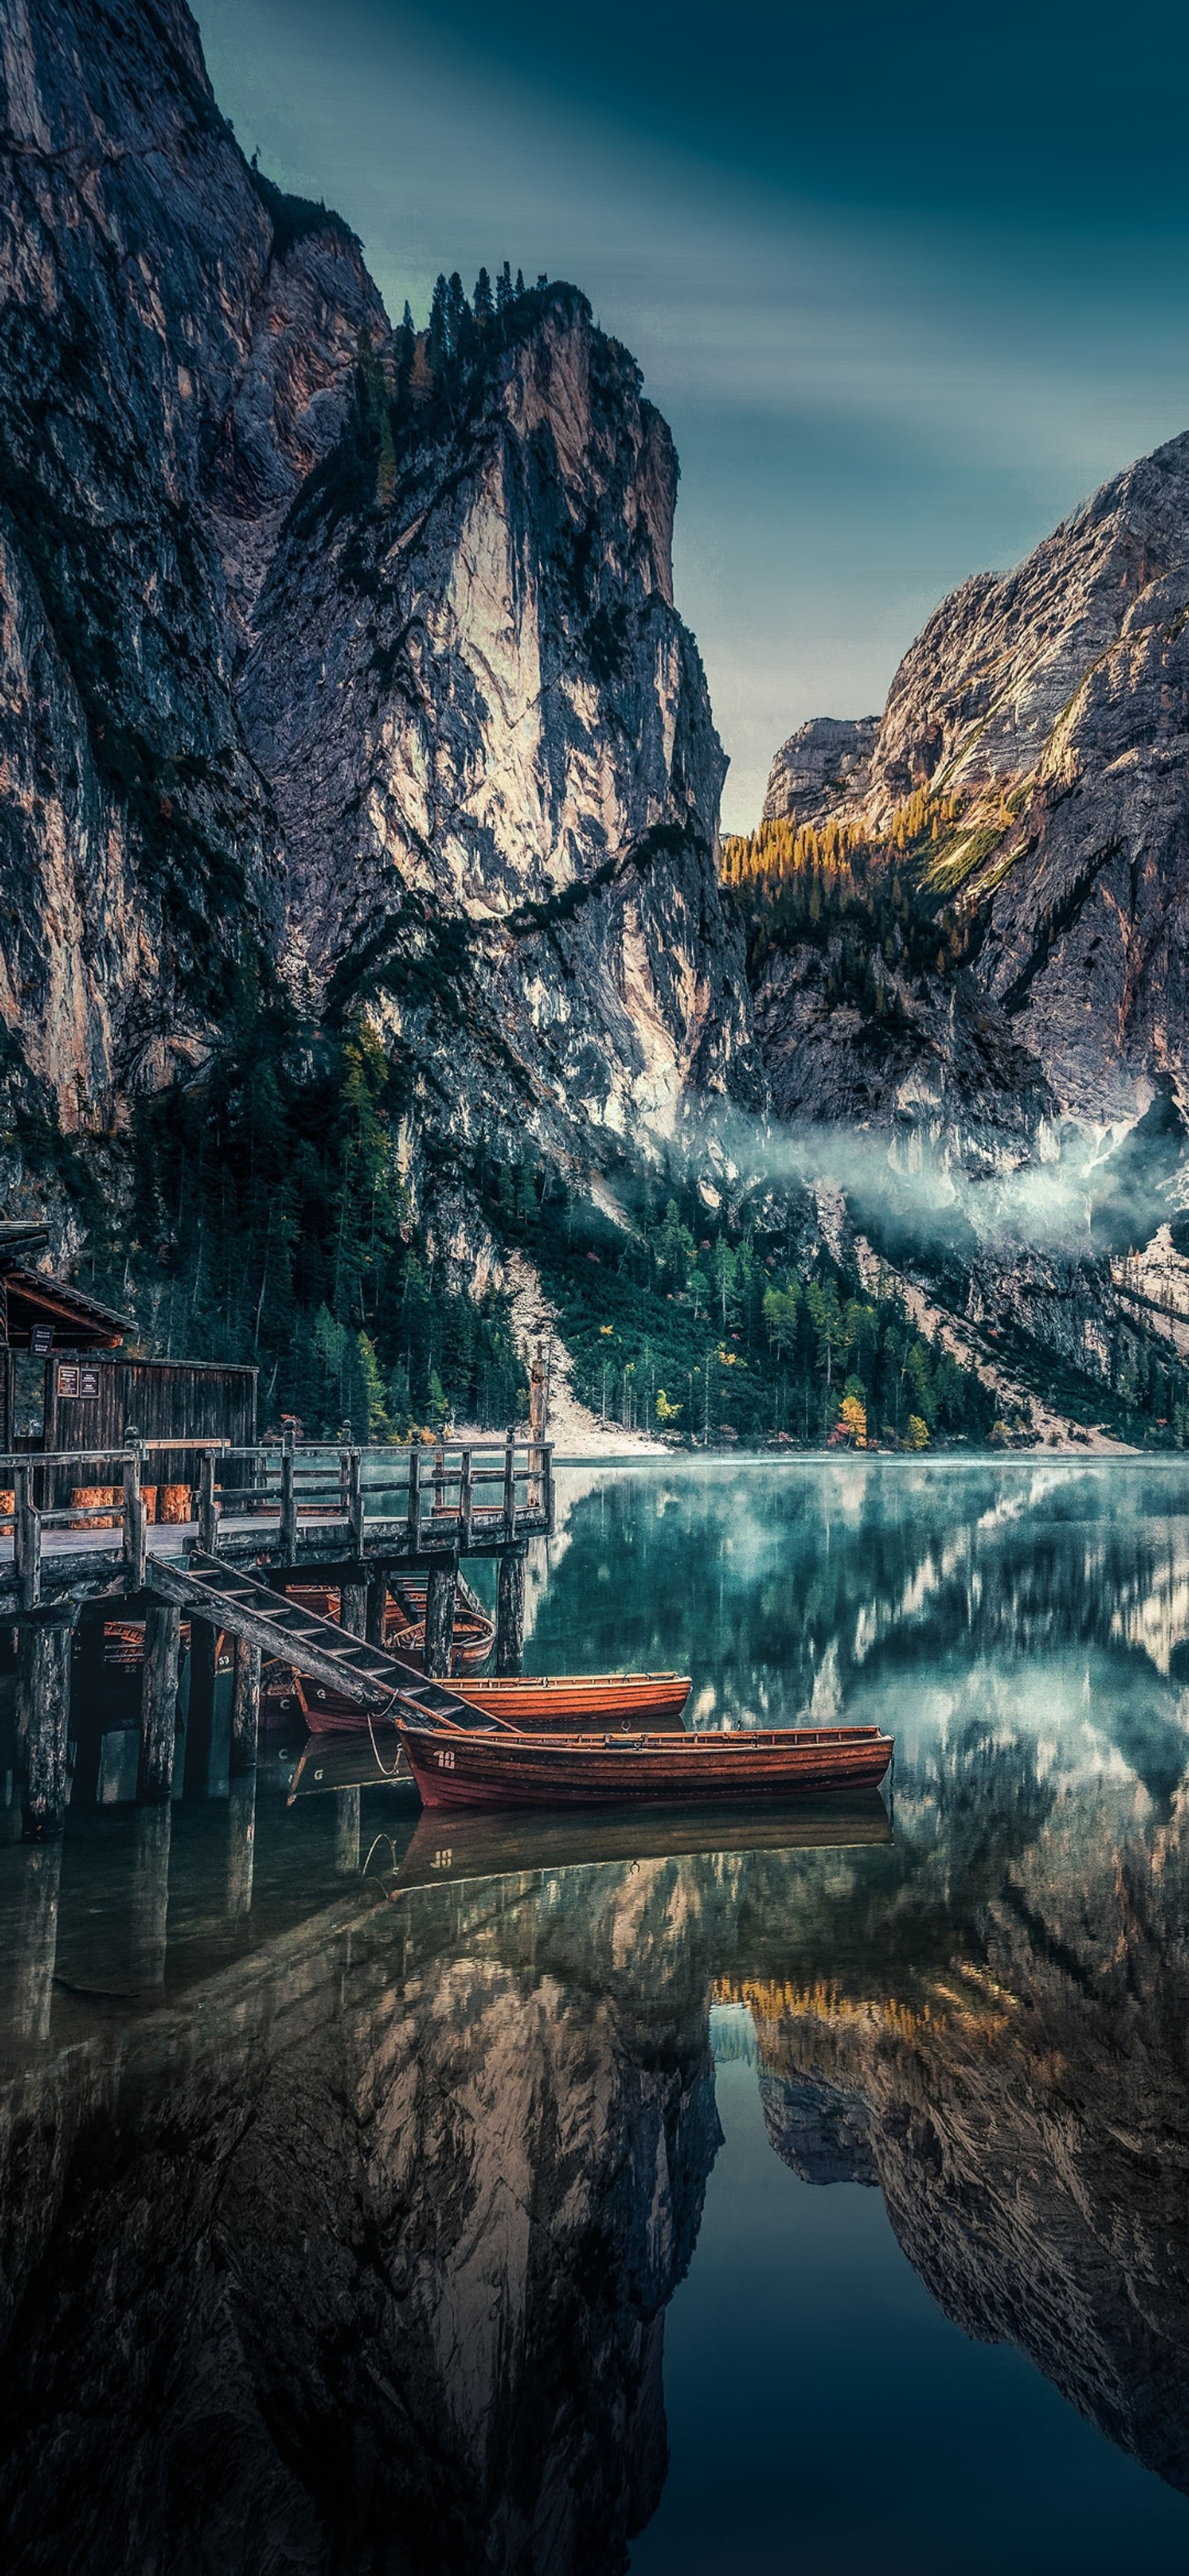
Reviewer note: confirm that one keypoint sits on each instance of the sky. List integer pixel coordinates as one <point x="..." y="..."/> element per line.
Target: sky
<point x="906" y="284"/>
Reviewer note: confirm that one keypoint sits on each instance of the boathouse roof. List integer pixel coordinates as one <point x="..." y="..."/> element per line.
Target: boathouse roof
<point x="31" y="1301"/>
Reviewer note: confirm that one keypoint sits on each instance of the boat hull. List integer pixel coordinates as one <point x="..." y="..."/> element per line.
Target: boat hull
<point x="457" y="1769"/>
<point x="530" y="1703"/>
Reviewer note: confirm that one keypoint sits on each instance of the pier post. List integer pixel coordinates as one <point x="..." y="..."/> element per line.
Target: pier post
<point x="241" y="1846"/>
<point x="440" y="1597"/>
<point x="353" y="1608"/>
<point x="346" y="1832"/>
<point x="208" y="1511"/>
<point x="245" y="1710"/>
<point x="204" y="1772"/>
<point x="31" y="1985"/>
<point x="26" y="1544"/>
<point x="509" y="1614"/>
<point x="42" y="1714"/>
<point x="159" y="1702"/>
<point x="288" y="1529"/>
<point x="377" y="1607"/>
<point x="150" y="1895"/>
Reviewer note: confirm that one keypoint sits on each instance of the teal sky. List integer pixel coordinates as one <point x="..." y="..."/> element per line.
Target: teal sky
<point x="906" y="289"/>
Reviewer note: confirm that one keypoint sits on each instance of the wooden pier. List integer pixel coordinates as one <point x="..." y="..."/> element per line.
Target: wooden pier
<point x="262" y="1516"/>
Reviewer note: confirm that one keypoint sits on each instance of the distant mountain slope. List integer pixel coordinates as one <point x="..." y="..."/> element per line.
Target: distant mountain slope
<point x="976" y="953"/>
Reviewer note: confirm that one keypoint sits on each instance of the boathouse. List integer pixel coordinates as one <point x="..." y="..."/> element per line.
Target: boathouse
<point x="70" y="1385"/>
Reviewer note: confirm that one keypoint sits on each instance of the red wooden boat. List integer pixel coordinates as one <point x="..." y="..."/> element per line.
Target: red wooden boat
<point x="491" y="1765"/>
<point x="530" y="1702"/>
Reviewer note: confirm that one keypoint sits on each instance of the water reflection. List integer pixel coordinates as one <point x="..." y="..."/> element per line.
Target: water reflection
<point x="351" y="2159"/>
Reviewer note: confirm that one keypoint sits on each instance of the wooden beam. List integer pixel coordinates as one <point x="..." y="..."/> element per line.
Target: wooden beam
<point x="245" y="1709"/>
<point x="241" y="1846"/>
<point x="377" y="1608"/>
<point x="509" y="1615"/>
<point x="346" y="1831"/>
<point x="353" y="1609"/>
<point x="441" y="1593"/>
<point x="43" y="1711"/>
<point x="159" y="1702"/>
<point x="150" y="1896"/>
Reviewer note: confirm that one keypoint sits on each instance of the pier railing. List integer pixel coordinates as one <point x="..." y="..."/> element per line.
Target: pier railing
<point x="288" y="1498"/>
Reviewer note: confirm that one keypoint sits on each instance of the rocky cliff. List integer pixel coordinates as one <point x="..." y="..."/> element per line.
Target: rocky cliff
<point x="992" y="984"/>
<point x="823" y="761"/>
<point x="322" y="660"/>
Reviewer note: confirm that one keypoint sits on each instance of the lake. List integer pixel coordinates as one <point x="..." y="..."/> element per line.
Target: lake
<point x="803" y="2190"/>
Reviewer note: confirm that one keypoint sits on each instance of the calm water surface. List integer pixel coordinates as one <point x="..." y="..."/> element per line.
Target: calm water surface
<point x="802" y="2191"/>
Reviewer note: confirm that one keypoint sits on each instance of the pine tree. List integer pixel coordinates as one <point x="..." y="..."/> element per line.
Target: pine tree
<point x="503" y="289"/>
<point x="441" y="347"/>
<point x="484" y="300"/>
<point x="460" y="312"/>
<point x="520" y="281"/>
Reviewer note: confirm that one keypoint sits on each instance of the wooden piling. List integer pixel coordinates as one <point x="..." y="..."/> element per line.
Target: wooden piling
<point x="241" y="1846"/>
<point x="346" y="1831"/>
<point x="150" y="1896"/>
<point x="439" y="1615"/>
<point x="204" y="1771"/>
<point x="159" y="1703"/>
<point x="377" y="1609"/>
<point x="509" y="1614"/>
<point x="42" y="1714"/>
<point x="353" y="1608"/>
<point x="35" y="1942"/>
<point x="245" y="1710"/>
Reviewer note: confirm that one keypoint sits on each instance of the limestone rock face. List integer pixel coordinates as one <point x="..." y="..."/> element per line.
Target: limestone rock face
<point x="1055" y="700"/>
<point x="1069" y="680"/>
<point x="823" y="761"/>
<point x="140" y="279"/>
<point x="491" y="748"/>
<point x="435" y="720"/>
<point x="1042" y="718"/>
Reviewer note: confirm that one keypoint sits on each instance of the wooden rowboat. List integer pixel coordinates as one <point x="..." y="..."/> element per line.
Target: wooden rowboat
<point x="489" y="1765"/>
<point x="530" y="1702"/>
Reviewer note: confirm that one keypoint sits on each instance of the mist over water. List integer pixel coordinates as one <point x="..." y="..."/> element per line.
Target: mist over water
<point x="549" y="2194"/>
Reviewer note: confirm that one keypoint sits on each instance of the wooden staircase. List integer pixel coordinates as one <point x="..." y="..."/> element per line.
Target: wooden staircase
<point x="244" y="1607"/>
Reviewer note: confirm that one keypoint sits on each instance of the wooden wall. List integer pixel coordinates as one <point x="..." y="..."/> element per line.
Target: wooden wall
<point x="162" y="1399"/>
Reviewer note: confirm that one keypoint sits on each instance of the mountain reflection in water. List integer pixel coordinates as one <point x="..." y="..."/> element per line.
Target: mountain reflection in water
<point x="341" y="2211"/>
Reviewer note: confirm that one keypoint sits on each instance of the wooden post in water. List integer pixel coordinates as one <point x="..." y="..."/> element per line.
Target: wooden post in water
<point x="35" y="1945"/>
<point x="241" y="1845"/>
<point x="202" y="1766"/>
<point x="509" y="1613"/>
<point x="377" y="1606"/>
<point x="159" y="1702"/>
<point x="42" y="1714"/>
<point x="150" y="1896"/>
<point x="353" y="1608"/>
<point x="346" y="1831"/>
<point x="441" y="1593"/>
<point x="245" y="1710"/>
